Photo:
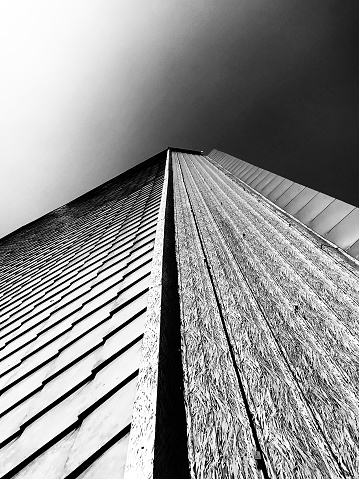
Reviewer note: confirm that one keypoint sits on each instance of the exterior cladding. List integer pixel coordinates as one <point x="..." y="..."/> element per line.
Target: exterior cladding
<point x="248" y="366"/>
<point x="333" y="219"/>
<point x="73" y="302"/>
<point x="270" y="335"/>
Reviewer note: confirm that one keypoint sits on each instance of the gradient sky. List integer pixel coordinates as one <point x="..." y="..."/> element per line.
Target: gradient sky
<point x="89" y="88"/>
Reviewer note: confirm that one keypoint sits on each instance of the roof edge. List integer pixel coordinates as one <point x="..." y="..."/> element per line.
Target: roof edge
<point x="185" y="150"/>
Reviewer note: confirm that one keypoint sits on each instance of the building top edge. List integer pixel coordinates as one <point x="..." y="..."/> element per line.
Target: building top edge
<point x="185" y="150"/>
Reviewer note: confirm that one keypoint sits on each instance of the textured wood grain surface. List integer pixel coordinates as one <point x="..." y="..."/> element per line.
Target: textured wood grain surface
<point x="220" y="440"/>
<point x="291" y="313"/>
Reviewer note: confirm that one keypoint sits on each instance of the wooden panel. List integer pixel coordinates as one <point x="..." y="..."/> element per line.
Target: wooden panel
<point x="290" y="344"/>
<point x="214" y="404"/>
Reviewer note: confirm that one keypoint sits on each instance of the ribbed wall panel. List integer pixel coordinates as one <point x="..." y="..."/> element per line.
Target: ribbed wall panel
<point x="270" y="337"/>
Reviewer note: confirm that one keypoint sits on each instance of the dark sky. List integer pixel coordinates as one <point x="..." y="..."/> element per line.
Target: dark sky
<point x="91" y="87"/>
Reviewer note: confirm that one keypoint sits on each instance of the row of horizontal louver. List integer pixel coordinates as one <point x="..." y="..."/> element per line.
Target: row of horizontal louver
<point x="73" y="302"/>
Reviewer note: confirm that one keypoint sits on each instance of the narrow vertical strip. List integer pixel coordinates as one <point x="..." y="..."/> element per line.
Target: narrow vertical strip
<point x="170" y="454"/>
<point x="220" y="440"/>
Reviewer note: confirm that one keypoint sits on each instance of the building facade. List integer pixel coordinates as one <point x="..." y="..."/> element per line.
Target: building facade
<point x="194" y="317"/>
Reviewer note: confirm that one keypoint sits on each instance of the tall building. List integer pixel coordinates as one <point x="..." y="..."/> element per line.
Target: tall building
<point x="194" y="317"/>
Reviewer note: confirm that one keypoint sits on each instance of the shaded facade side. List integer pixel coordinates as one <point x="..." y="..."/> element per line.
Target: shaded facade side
<point x="73" y="305"/>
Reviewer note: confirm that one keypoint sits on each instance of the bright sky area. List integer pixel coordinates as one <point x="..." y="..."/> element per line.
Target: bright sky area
<point x="89" y="88"/>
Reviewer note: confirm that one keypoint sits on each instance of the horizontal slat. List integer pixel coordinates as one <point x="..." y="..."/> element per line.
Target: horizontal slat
<point x="74" y="301"/>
